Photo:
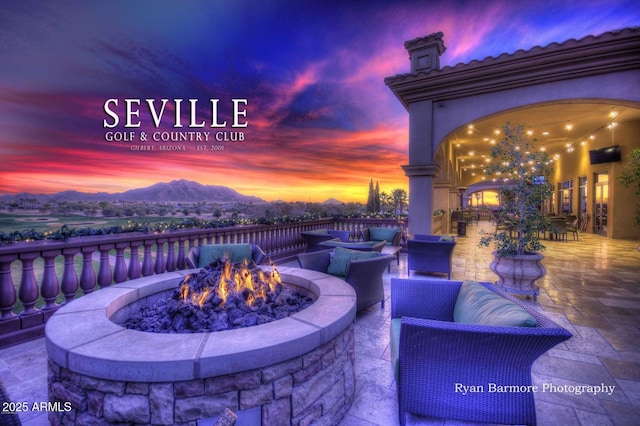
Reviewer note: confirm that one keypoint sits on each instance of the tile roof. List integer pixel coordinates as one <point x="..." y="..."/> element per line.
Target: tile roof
<point x="521" y="53"/>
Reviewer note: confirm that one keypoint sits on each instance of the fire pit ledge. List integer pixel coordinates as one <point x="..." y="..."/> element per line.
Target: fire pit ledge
<point x="82" y="337"/>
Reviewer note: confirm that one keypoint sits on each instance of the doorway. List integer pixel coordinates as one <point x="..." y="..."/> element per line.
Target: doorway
<point x="601" y="199"/>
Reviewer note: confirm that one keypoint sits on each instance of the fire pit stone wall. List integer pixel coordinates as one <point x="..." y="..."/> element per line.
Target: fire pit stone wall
<point x="293" y="371"/>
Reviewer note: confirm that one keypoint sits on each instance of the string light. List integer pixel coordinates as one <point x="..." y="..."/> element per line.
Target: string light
<point x="569" y="147"/>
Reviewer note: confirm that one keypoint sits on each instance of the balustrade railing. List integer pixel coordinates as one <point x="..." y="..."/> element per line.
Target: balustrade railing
<point x="25" y="310"/>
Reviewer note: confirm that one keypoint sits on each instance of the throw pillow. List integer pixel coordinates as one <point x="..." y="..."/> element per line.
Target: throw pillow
<point x="447" y="238"/>
<point x="342" y="257"/>
<point x="476" y="304"/>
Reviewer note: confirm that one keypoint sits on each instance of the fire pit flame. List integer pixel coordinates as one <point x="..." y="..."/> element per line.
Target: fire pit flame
<point x="220" y="297"/>
<point x="243" y="284"/>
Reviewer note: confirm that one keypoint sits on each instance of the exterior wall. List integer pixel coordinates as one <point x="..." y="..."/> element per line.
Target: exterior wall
<point x="451" y="115"/>
<point x="597" y="69"/>
<point x="621" y="204"/>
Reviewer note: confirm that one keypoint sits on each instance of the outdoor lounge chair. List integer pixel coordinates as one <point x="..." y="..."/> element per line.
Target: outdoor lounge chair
<point x="235" y="252"/>
<point x="430" y="253"/>
<point x="446" y="334"/>
<point x="393" y="236"/>
<point x="312" y="239"/>
<point x="361" y="269"/>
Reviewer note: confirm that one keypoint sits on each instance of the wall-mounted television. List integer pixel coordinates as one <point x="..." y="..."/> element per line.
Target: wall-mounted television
<point x="605" y="155"/>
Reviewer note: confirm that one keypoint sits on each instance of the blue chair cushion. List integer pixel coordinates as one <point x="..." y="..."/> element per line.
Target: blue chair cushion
<point x="342" y="257"/>
<point x="379" y="234"/>
<point x="477" y="304"/>
<point x="236" y="253"/>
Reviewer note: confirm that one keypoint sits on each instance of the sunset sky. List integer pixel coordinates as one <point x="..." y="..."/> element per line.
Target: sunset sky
<point x="320" y="121"/>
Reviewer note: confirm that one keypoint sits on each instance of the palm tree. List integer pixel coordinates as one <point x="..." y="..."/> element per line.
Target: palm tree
<point x="400" y="198"/>
<point x="386" y="200"/>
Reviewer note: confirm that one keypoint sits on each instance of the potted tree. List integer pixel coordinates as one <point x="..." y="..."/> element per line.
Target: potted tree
<point x="631" y="176"/>
<point x="524" y="172"/>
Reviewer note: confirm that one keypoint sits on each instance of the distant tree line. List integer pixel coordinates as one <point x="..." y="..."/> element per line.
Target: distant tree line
<point x="381" y="202"/>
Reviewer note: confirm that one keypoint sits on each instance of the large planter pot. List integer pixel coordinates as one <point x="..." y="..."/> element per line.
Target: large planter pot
<point x="518" y="273"/>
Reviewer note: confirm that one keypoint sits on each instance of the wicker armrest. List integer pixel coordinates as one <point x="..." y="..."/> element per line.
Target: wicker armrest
<point x="315" y="260"/>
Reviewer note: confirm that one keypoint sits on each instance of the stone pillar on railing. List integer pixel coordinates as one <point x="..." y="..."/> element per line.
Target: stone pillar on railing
<point x="147" y="262"/>
<point x="28" y="291"/>
<point x="7" y="288"/>
<point x="105" y="276"/>
<point x="134" y="261"/>
<point x="171" y="255"/>
<point x="69" y="284"/>
<point x="181" y="252"/>
<point x="120" y="269"/>
<point x="160" y="266"/>
<point x="50" y="286"/>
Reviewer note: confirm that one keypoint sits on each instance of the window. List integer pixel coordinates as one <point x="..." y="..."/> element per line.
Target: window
<point x="565" y="196"/>
<point x="582" y="195"/>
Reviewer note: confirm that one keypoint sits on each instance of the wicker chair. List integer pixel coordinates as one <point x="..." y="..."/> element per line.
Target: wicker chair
<point x="427" y="253"/>
<point x="193" y="256"/>
<point x="313" y="239"/>
<point x="573" y="227"/>
<point x="393" y="236"/>
<point x="364" y="275"/>
<point x="433" y="356"/>
<point x="558" y="228"/>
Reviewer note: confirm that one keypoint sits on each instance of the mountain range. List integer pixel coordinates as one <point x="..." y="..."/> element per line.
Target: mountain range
<point x="175" y="191"/>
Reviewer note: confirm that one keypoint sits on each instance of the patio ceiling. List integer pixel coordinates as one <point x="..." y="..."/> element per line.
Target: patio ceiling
<point x="549" y="126"/>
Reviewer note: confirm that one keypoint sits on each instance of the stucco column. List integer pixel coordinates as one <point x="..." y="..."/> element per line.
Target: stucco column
<point x="421" y="200"/>
<point x="421" y="169"/>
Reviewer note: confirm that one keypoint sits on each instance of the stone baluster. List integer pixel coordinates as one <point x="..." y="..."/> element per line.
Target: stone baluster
<point x="269" y="241"/>
<point x="105" y="276"/>
<point x="69" y="284"/>
<point x="120" y="270"/>
<point x="7" y="288"/>
<point x="171" y="256"/>
<point x="260" y="238"/>
<point x="88" y="275"/>
<point x="28" y="291"/>
<point x="134" y="261"/>
<point x="147" y="262"/>
<point x="160" y="266"/>
<point x="50" y="286"/>
<point x="181" y="253"/>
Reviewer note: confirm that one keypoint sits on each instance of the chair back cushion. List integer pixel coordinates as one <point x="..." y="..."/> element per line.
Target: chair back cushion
<point x="476" y="304"/>
<point x="342" y="257"/>
<point x="379" y="234"/>
<point x="236" y="253"/>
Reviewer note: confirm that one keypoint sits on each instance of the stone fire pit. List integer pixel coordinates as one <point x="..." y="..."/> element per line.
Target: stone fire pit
<point x="291" y="371"/>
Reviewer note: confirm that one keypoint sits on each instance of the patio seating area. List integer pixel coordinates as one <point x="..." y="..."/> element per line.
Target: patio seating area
<point x="591" y="288"/>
